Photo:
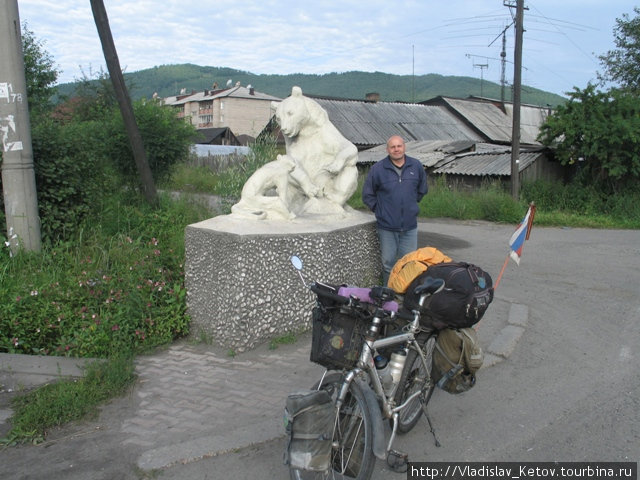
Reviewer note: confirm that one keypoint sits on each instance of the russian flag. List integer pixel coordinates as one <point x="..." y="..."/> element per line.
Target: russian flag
<point x="516" y="243"/>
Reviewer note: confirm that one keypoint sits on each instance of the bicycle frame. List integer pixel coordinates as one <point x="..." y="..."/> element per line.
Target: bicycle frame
<point x="366" y="365"/>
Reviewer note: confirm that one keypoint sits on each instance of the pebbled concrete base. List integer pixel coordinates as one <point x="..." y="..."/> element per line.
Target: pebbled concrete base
<point x="241" y="286"/>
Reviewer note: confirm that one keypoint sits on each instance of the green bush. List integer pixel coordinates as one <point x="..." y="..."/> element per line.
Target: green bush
<point x="118" y="285"/>
<point x="72" y="176"/>
<point x="167" y="140"/>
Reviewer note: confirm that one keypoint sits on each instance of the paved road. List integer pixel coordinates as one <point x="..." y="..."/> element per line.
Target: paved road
<point x="569" y="391"/>
<point x="562" y="385"/>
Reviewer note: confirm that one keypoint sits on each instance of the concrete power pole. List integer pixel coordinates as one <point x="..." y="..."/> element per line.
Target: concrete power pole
<point x="18" y="174"/>
<point x="517" y="87"/>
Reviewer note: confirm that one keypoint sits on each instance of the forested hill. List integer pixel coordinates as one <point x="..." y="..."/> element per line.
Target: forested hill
<point x="169" y="80"/>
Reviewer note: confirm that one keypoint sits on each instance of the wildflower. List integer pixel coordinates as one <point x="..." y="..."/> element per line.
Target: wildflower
<point x="114" y="328"/>
<point x="15" y="341"/>
<point x="18" y="298"/>
<point x="34" y="293"/>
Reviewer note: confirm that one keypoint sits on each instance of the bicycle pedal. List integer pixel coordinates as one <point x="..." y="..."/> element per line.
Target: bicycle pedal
<point x="397" y="461"/>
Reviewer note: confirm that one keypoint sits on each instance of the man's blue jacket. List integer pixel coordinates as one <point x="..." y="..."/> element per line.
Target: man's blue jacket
<point x="394" y="198"/>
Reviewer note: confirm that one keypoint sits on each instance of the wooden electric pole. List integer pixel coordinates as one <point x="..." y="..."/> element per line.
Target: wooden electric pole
<point x="124" y="101"/>
<point x="18" y="172"/>
<point x="517" y="87"/>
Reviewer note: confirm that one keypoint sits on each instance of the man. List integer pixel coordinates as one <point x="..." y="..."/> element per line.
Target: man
<point x="392" y="190"/>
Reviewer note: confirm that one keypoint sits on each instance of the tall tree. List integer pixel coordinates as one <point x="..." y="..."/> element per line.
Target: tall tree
<point x="622" y="65"/>
<point x="40" y="72"/>
<point x="600" y="132"/>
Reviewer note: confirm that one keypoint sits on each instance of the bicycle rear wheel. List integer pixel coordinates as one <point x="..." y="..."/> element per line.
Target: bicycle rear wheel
<point x="351" y="454"/>
<point x="413" y="379"/>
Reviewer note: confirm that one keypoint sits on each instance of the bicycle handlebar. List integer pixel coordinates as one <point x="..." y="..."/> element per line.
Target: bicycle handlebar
<point x="328" y="295"/>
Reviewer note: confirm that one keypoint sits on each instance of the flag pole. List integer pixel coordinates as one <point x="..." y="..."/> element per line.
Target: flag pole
<point x="506" y="260"/>
<point x="531" y="211"/>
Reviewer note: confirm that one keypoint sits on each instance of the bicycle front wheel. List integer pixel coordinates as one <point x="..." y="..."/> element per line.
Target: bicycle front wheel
<point x="413" y="379"/>
<point x="352" y="444"/>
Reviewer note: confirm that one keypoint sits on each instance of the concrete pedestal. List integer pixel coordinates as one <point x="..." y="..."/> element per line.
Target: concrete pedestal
<point x="241" y="287"/>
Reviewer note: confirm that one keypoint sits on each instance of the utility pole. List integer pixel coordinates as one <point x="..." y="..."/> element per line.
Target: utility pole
<point x="503" y="65"/>
<point x="124" y="101"/>
<point x="18" y="173"/>
<point x="517" y="87"/>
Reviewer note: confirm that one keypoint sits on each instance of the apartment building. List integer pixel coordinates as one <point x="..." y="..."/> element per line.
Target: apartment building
<point x="242" y="109"/>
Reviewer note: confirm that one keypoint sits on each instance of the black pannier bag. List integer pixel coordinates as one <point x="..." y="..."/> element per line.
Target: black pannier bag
<point x="309" y="421"/>
<point x="336" y="334"/>
<point x="467" y="294"/>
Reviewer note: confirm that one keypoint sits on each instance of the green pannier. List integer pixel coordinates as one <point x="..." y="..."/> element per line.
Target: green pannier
<point x="457" y="356"/>
<point x="309" y="420"/>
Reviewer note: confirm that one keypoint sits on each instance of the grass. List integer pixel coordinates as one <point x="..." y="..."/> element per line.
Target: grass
<point x="64" y="401"/>
<point x="286" y="339"/>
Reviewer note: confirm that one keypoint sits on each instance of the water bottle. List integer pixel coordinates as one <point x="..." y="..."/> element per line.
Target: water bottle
<point x="396" y="365"/>
<point x="384" y="372"/>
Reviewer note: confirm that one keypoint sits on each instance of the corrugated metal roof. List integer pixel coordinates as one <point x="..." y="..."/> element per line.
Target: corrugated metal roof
<point x="428" y="152"/>
<point x="497" y="125"/>
<point x="368" y="123"/>
<point x="483" y="164"/>
<point x="531" y="118"/>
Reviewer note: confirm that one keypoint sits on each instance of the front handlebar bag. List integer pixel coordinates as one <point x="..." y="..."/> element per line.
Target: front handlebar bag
<point x="336" y="335"/>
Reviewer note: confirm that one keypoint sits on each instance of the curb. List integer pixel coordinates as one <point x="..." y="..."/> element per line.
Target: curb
<point x="504" y="343"/>
<point x="18" y="371"/>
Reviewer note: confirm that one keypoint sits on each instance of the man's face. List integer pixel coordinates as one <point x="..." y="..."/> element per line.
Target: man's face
<point x="395" y="149"/>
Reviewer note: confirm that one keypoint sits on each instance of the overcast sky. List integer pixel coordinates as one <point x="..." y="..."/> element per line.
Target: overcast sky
<point x="449" y="37"/>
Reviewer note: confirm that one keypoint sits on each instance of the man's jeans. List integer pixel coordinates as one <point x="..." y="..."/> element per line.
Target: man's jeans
<point x="393" y="246"/>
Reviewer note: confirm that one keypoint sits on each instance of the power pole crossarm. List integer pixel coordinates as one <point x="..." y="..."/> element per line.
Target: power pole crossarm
<point x="18" y="174"/>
